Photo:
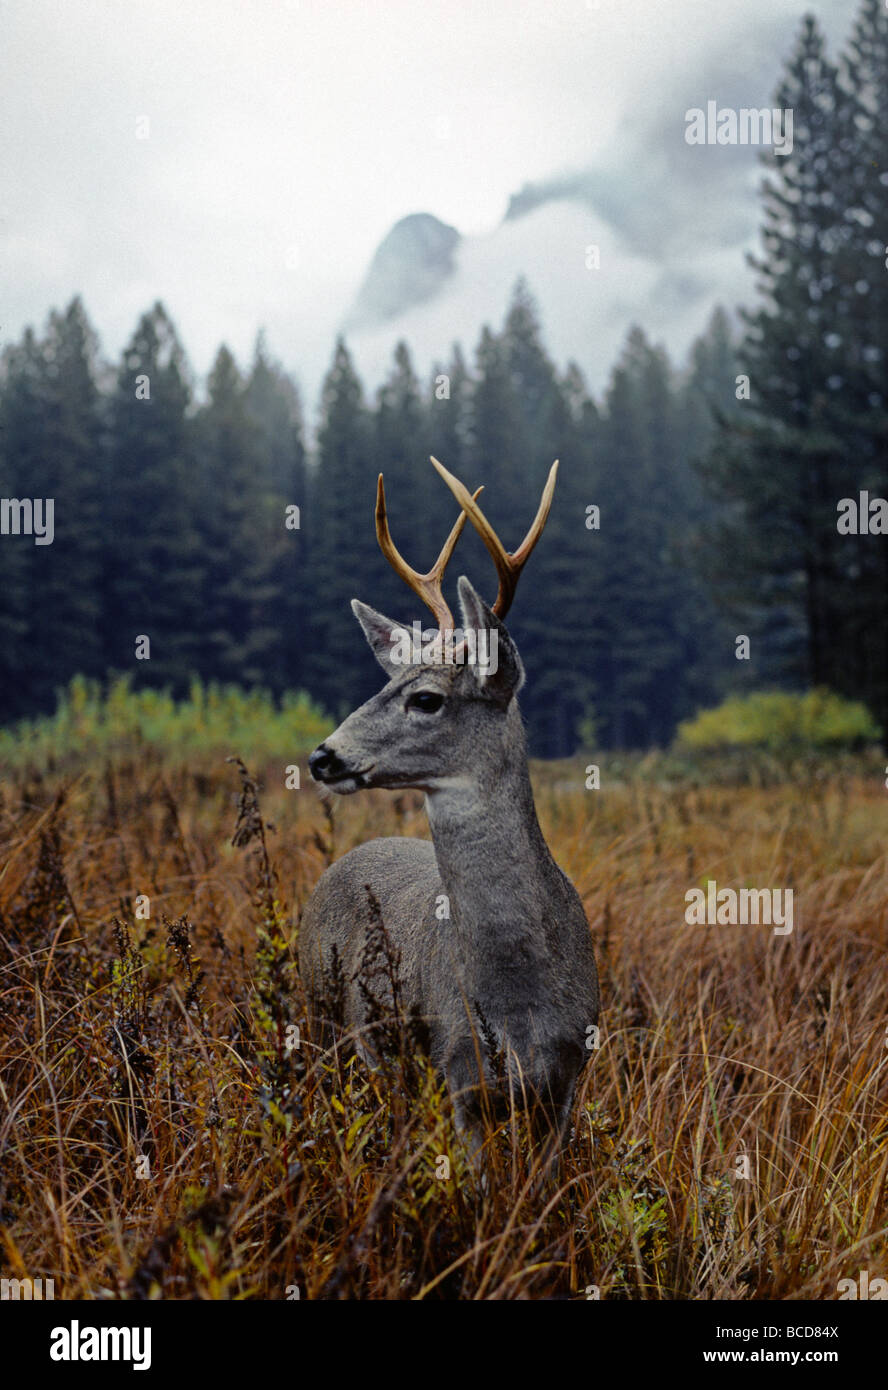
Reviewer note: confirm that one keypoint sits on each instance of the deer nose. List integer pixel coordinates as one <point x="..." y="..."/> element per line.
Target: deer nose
<point x="323" y="763"/>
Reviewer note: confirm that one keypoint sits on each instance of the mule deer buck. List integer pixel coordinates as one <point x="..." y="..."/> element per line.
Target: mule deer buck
<point x="513" y="962"/>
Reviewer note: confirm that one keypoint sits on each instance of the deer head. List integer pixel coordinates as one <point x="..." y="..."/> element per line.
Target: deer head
<point x="444" y="713"/>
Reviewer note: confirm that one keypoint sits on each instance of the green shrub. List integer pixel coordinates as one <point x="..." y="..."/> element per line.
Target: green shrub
<point x="780" y="722"/>
<point x="91" y="722"/>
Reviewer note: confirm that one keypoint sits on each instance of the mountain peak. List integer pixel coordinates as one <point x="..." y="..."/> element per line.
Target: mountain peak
<point x="410" y="265"/>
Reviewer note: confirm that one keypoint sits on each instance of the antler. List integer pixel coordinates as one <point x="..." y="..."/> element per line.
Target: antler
<point x="426" y="586"/>
<point x="508" y="565"/>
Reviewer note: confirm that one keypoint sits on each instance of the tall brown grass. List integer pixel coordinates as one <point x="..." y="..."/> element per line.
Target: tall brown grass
<point x="165" y="1130"/>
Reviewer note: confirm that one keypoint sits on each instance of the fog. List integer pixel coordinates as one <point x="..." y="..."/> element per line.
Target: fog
<point x="242" y="162"/>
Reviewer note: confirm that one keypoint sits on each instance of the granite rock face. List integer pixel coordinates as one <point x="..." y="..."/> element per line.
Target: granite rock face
<point x="410" y="266"/>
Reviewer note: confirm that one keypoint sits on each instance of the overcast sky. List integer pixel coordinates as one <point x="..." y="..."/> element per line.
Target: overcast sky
<point x="287" y="136"/>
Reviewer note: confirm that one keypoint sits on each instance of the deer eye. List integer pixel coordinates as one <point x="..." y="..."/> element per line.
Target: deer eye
<point x="425" y="700"/>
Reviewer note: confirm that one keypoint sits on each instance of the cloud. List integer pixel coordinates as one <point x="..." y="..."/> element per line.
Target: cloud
<point x="286" y="139"/>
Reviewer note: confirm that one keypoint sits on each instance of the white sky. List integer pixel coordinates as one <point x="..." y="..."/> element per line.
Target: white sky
<point x="287" y="138"/>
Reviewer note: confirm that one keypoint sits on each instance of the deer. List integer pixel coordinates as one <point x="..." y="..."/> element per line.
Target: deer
<point x="495" y="954"/>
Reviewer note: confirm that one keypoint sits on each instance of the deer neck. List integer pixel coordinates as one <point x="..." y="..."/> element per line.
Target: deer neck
<point x="495" y="866"/>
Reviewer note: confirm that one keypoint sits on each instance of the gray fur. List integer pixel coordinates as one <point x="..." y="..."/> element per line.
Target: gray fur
<point x="515" y="957"/>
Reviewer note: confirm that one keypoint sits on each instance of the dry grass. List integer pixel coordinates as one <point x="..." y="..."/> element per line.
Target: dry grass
<point x="160" y="1136"/>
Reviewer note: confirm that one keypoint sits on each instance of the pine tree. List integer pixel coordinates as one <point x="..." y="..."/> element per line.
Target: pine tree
<point x="554" y="606"/>
<point x="860" y="337"/>
<point x="708" y="400"/>
<point x="344" y="558"/>
<point x="641" y="623"/>
<point x="151" y="551"/>
<point x="561" y="608"/>
<point x="242" y="535"/>
<point x="499" y="458"/>
<point x="449" y="413"/>
<point x="22" y="412"/>
<point x="275" y="414"/>
<point x="494" y="432"/>
<point x="400" y="451"/>
<point x="535" y="389"/>
<point x="780" y="465"/>
<point x="52" y="439"/>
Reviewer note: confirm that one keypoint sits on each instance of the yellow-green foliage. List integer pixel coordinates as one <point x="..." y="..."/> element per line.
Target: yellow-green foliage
<point x="91" y="721"/>
<point x="778" y="722"/>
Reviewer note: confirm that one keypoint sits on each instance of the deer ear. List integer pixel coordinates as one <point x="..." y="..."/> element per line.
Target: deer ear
<point x="503" y="675"/>
<point x="389" y="642"/>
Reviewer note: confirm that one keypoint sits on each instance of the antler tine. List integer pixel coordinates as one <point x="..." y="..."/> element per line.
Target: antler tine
<point x="508" y="565"/>
<point x="425" y="586"/>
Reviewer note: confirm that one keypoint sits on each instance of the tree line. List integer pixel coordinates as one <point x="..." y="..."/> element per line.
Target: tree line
<point x="815" y="350"/>
<point x="692" y="506"/>
<point x="211" y="529"/>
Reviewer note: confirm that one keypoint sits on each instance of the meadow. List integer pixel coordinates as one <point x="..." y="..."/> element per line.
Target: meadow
<point x="167" y="1130"/>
